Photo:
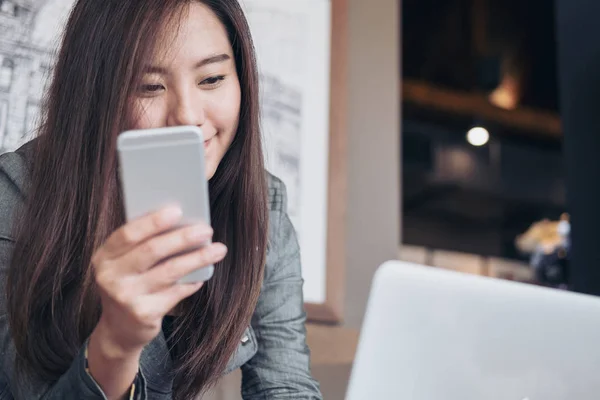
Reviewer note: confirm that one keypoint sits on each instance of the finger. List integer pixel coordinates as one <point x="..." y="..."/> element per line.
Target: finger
<point x="133" y="233"/>
<point x="168" y="273"/>
<point x="153" y="251"/>
<point x="168" y="299"/>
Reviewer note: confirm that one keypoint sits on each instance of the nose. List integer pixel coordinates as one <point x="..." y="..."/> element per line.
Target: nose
<point x="186" y="109"/>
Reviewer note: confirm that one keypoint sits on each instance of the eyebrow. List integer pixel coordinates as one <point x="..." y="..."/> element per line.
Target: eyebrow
<point x="219" y="58"/>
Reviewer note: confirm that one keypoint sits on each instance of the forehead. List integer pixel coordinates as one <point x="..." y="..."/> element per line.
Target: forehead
<point x="194" y="34"/>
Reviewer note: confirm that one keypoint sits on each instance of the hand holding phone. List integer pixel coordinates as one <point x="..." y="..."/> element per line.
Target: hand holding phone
<point x="138" y="270"/>
<point x="137" y="289"/>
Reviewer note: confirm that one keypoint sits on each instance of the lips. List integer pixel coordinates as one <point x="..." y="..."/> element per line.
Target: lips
<point x="207" y="142"/>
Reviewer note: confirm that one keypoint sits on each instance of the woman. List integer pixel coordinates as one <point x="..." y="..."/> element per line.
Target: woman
<point x="88" y="310"/>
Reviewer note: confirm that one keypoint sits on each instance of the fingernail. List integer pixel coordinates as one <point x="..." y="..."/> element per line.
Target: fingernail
<point x="219" y="249"/>
<point x="171" y="214"/>
<point x="201" y="232"/>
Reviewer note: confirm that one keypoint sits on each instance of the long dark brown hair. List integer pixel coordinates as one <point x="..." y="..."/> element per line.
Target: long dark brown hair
<point x="74" y="202"/>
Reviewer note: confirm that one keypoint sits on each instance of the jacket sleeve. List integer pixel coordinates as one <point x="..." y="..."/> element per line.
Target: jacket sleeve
<point x="75" y="383"/>
<point x="281" y="367"/>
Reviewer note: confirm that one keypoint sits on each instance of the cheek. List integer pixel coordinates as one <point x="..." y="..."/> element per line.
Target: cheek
<point x="145" y="114"/>
<point x="226" y="109"/>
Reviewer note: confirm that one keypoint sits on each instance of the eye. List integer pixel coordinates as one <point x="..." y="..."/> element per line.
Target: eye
<point x="151" y="88"/>
<point x="213" y="81"/>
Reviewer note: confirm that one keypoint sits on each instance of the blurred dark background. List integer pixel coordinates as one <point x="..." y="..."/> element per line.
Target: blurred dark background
<point x="490" y="64"/>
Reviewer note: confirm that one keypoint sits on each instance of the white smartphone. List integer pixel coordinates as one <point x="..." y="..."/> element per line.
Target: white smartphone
<point x="165" y="166"/>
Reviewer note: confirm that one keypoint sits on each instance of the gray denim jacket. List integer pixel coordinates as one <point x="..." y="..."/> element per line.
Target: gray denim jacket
<point x="273" y="354"/>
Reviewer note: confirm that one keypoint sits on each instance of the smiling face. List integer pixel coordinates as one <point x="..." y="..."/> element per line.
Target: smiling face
<point x="192" y="80"/>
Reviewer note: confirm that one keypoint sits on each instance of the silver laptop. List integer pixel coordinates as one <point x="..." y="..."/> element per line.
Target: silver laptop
<point x="433" y="334"/>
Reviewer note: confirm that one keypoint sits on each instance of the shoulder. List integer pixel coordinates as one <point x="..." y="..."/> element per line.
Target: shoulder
<point x="283" y="247"/>
<point x="277" y="199"/>
<point x="282" y="234"/>
<point x="14" y="173"/>
<point x="14" y="169"/>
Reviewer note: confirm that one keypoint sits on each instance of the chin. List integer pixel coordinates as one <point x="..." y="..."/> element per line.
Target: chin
<point x="210" y="172"/>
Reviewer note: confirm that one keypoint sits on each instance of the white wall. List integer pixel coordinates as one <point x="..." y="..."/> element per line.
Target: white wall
<point x="373" y="226"/>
